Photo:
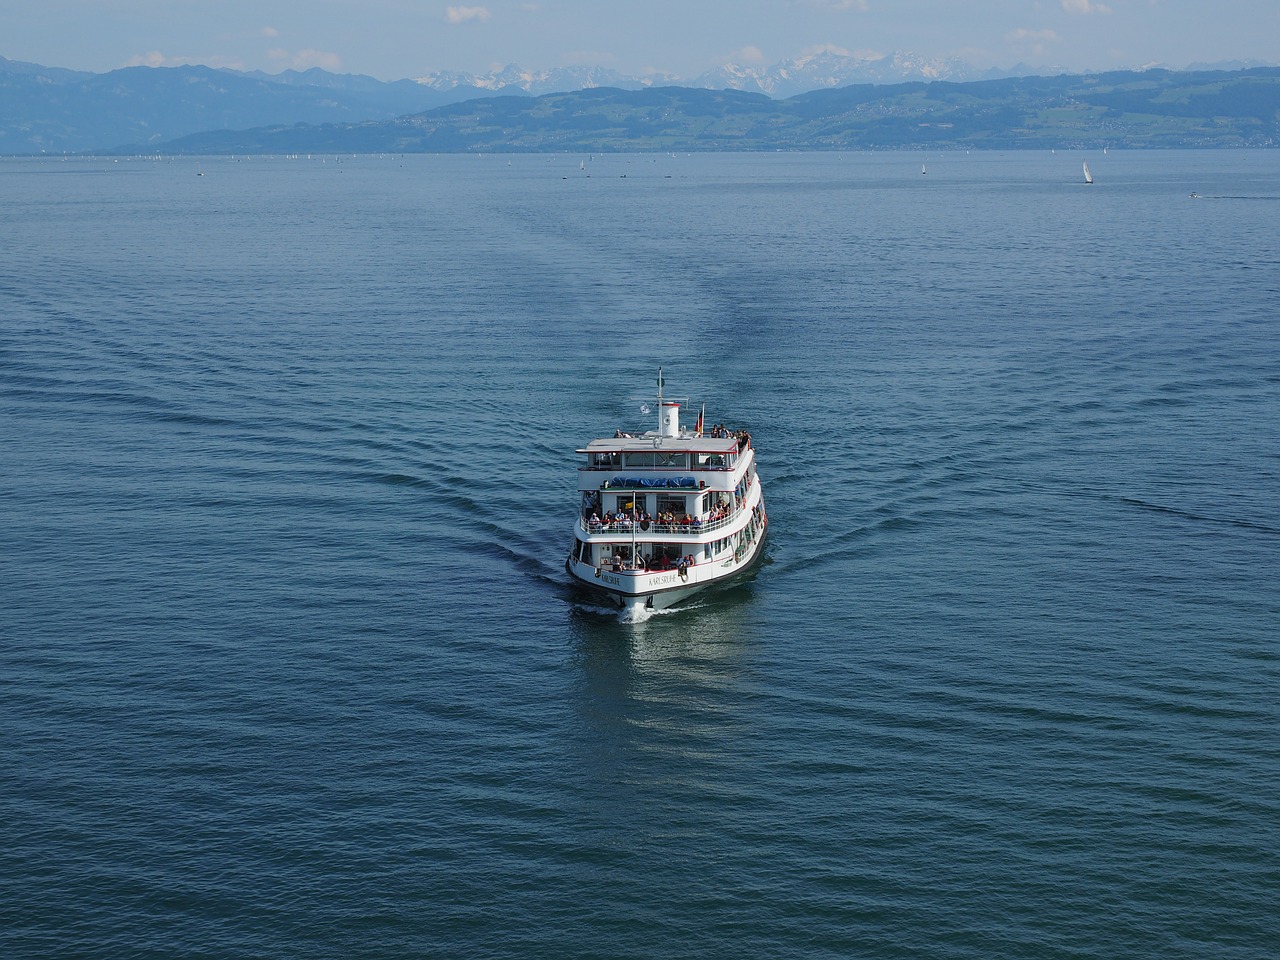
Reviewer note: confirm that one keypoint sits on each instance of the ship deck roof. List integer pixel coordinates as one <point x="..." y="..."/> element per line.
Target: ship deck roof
<point x="688" y="443"/>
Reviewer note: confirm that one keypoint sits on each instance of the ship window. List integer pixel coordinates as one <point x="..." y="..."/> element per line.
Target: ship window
<point x="658" y="459"/>
<point x="665" y="555"/>
<point x="669" y="504"/>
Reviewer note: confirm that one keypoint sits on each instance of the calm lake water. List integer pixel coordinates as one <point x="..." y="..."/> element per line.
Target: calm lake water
<point x="289" y="665"/>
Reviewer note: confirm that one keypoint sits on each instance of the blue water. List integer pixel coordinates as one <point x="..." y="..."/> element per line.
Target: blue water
<point x="289" y="666"/>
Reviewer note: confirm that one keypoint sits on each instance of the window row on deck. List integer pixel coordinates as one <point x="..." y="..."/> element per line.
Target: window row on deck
<point x="660" y="460"/>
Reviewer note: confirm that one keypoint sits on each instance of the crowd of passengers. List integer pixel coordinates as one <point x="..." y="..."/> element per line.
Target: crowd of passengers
<point x="624" y="521"/>
<point x="721" y="432"/>
<point x="656" y="565"/>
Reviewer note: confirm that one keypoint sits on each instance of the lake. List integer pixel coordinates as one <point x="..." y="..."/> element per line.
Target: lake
<point x="291" y="666"/>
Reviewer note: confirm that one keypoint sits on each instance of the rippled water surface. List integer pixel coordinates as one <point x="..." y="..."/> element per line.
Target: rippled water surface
<point x="289" y="665"/>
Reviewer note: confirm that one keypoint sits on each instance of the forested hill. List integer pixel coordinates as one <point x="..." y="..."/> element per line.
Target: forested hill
<point x="1154" y="108"/>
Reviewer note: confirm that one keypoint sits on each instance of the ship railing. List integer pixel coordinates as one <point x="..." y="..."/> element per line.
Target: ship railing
<point x="641" y="579"/>
<point x="648" y="527"/>
<point x="696" y="468"/>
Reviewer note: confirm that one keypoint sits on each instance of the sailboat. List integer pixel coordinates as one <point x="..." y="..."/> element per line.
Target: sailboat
<point x="1088" y="177"/>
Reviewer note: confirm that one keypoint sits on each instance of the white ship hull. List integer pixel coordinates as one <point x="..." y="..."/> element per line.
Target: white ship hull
<point x="667" y="513"/>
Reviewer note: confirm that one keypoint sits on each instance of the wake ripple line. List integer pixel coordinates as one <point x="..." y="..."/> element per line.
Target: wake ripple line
<point x="1202" y="518"/>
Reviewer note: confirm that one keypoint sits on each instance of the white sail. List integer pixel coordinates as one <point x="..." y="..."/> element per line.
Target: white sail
<point x="1088" y="177"/>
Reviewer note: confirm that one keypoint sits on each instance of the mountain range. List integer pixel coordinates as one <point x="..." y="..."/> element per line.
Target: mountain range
<point x="820" y="69"/>
<point x="1155" y="108"/>
<point x="53" y="110"/>
<point x="140" y="109"/>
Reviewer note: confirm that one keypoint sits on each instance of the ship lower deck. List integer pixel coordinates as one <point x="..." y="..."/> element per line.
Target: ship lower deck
<point x="664" y="588"/>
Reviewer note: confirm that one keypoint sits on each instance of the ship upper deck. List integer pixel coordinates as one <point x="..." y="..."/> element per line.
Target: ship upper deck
<point x="648" y="442"/>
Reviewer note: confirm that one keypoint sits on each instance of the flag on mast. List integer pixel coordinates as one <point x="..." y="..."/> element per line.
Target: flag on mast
<point x="702" y="413"/>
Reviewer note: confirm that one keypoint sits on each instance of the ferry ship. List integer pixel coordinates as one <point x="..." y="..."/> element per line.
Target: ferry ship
<point x="666" y="513"/>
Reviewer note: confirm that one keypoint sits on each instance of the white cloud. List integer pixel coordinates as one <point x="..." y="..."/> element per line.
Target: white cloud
<point x="1084" y="7"/>
<point x="748" y="54"/>
<point x="825" y="48"/>
<point x="464" y="14"/>
<point x="270" y="32"/>
<point x="154" y="59"/>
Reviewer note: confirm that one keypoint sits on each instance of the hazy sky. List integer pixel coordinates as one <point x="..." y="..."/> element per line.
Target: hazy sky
<point x="395" y="39"/>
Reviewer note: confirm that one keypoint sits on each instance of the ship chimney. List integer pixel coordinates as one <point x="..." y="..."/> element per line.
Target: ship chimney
<point x="669" y="420"/>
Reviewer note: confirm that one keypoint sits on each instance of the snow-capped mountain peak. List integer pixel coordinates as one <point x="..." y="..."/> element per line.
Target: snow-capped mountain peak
<point x="813" y="70"/>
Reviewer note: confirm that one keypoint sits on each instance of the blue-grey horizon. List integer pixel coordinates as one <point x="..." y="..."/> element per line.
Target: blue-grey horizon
<point x="395" y="39"/>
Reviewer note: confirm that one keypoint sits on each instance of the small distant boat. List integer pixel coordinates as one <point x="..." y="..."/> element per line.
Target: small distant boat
<point x="923" y="171"/>
<point x="1088" y="177"/>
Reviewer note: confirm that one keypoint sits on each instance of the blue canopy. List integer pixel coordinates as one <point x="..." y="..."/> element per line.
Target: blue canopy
<point x="652" y="482"/>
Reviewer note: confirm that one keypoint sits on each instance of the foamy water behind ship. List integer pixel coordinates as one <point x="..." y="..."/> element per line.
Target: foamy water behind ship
<point x="290" y="665"/>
